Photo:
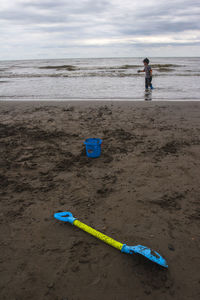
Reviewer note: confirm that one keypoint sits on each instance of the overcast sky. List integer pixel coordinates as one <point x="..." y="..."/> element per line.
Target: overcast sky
<point x="98" y="28"/>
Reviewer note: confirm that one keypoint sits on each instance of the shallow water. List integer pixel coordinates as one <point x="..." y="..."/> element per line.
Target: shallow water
<point x="100" y="78"/>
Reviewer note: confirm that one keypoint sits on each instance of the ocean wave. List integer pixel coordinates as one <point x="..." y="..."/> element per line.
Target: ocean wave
<point x="74" y="75"/>
<point x="129" y="66"/>
<point x="165" y="65"/>
<point x="119" y="71"/>
<point x="163" y="69"/>
<point x="189" y="75"/>
<point x="120" y="67"/>
<point x="86" y="68"/>
<point x="89" y="74"/>
<point x="64" y="67"/>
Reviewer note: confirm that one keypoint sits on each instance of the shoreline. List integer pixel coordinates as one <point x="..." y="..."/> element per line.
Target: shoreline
<point x="97" y="102"/>
<point x="107" y="100"/>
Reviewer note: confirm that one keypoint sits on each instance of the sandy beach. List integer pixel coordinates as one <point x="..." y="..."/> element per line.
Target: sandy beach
<point x="143" y="189"/>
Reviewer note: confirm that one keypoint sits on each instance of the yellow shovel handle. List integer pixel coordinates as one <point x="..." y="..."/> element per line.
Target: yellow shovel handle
<point x="106" y="239"/>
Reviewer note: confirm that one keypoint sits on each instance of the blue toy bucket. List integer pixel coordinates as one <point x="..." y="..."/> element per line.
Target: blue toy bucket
<point x="93" y="147"/>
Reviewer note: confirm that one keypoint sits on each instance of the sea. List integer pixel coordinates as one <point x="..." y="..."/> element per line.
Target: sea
<point x="174" y="78"/>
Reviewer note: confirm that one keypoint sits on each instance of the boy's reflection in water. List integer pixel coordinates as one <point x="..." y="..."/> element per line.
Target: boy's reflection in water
<point x="148" y="95"/>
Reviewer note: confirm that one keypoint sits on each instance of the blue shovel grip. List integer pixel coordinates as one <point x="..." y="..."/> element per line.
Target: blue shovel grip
<point x="65" y="216"/>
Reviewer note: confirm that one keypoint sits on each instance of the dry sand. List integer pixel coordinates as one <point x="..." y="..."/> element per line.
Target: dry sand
<point x="144" y="189"/>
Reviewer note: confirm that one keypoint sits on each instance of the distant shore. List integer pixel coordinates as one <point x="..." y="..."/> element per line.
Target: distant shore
<point x="143" y="189"/>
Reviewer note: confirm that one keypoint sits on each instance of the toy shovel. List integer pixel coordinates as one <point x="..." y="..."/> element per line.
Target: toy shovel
<point x="138" y="249"/>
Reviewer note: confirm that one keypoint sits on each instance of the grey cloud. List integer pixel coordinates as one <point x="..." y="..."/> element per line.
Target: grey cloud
<point x="30" y="17"/>
<point x="50" y="11"/>
<point x="44" y="4"/>
<point x="86" y="13"/>
<point x="170" y="8"/>
<point x="98" y="19"/>
<point x="165" y="18"/>
<point x="76" y="19"/>
<point x="159" y="27"/>
<point x="75" y="6"/>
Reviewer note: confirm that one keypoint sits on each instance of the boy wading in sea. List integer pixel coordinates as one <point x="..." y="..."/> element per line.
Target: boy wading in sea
<point x="148" y="74"/>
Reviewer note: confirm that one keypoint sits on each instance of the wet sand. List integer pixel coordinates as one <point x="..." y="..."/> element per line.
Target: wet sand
<point x="144" y="189"/>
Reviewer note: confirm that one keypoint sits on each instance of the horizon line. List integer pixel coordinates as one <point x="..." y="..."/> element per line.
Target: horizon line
<point x="103" y="57"/>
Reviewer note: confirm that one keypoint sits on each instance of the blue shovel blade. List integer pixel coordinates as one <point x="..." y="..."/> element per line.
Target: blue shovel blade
<point x="147" y="252"/>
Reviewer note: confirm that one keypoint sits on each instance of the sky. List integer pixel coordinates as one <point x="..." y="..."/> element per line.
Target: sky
<point x="39" y="29"/>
